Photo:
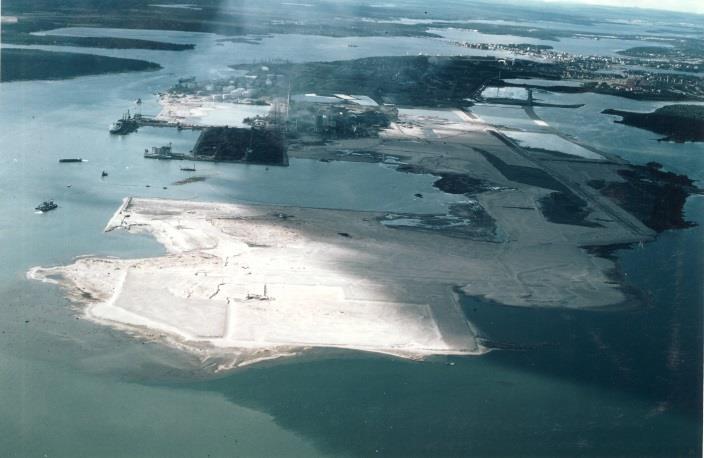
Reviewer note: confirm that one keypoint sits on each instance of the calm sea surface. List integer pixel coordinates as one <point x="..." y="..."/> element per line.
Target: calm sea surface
<point x="592" y="384"/>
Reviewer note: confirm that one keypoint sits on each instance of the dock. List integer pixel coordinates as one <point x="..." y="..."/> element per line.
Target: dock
<point x="166" y="153"/>
<point x="149" y="121"/>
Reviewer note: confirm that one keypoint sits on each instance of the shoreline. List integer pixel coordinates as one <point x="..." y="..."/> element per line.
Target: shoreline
<point x="208" y="243"/>
<point x="24" y="59"/>
<point x="672" y="121"/>
<point x="105" y="290"/>
<point x="243" y="283"/>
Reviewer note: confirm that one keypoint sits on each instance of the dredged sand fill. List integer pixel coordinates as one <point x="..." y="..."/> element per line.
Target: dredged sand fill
<point x="205" y="111"/>
<point x="245" y="283"/>
<point x="242" y="283"/>
<point x="252" y="282"/>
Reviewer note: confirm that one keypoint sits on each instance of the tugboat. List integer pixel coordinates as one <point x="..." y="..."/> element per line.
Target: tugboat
<point x="46" y="206"/>
<point x="125" y="125"/>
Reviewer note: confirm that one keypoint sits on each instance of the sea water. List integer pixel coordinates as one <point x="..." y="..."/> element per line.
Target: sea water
<point x="590" y="383"/>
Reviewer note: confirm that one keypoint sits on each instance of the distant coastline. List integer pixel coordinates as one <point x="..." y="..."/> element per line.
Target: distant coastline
<point x="93" y="42"/>
<point x="31" y="64"/>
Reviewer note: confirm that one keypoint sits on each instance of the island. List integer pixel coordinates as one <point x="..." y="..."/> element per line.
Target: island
<point x="231" y="144"/>
<point x="679" y="123"/>
<point x="655" y="196"/>
<point x="19" y="64"/>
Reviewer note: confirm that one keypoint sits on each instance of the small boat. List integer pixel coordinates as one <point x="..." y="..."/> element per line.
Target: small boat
<point x="104" y="174"/>
<point x="71" y="159"/>
<point x="46" y="206"/>
<point x="189" y="169"/>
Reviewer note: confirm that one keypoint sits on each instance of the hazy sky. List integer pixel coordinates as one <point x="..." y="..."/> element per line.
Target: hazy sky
<point x="688" y="6"/>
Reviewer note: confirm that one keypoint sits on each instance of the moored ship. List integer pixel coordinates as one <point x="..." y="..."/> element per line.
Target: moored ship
<point x="164" y="152"/>
<point x="46" y="206"/>
<point x="125" y="125"/>
<point x="159" y="152"/>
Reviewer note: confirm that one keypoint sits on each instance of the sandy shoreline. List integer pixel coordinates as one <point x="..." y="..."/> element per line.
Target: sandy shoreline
<point x="205" y="295"/>
<point x="246" y="283"/>
<point x="337" y="279"/>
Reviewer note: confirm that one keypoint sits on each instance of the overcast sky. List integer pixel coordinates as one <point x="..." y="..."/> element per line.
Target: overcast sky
<point x="687" y="6"/>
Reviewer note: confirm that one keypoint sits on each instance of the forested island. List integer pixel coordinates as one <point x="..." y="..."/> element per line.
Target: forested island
<point x="679" y="123"/>
<point x="690" y="48"/>
<point x="32" y="64"/>
<point x="93" y="42"/>
<point x="654" y="196"/>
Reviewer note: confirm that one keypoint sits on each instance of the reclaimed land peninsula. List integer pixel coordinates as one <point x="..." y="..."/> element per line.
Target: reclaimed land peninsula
<point x="241" y="283"/>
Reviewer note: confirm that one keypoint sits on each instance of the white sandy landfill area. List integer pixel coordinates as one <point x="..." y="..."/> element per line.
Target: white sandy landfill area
<point x="244" y="283"/>
<point x="205" y="111"/>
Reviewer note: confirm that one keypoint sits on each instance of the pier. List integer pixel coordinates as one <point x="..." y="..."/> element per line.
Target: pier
<point x="153" y="122"/>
